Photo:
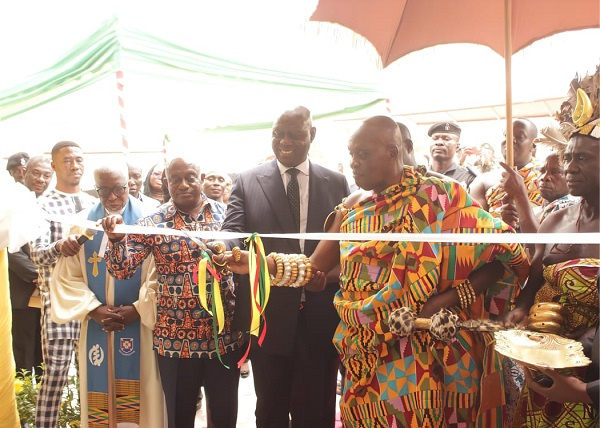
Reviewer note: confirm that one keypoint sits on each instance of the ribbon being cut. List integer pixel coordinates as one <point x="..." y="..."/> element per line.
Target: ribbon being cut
<point x="521" y="238"/>
<point x="295" y="270"/>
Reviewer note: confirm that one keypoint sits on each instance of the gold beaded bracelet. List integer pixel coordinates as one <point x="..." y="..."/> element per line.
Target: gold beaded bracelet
<point x="279" y="264"/>
<point x="466" y="294"/>
<point x="287" y="271"/>
<point x="308" y="274"/>
<point x="301" y="271"/>
<point x="461" y="297"/>
<point x="294" y="269"/>
<point x="469" y="287"/>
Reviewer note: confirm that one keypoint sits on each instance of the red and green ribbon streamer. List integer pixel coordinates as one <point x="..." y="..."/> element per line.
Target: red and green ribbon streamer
<point x="260" y="286"/>
<point x="217" y="311"/>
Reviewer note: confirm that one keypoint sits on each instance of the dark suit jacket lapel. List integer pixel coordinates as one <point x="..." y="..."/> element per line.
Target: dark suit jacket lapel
<point x="318" y="186"/>
<point x="272" y="186"/>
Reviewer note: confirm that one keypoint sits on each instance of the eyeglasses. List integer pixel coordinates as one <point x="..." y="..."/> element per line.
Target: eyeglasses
<point x="104" y="192"/>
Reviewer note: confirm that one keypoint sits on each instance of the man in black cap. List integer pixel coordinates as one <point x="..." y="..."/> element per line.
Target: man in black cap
<point x="408" y="154"/>
<point x="23" y="277"/>
<point x="16" y="166"/>
<point x="444" y="143"/>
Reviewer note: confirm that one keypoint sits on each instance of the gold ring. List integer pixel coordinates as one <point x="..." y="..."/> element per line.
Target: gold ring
<point x="217" y="263"/>
<point x="237" y="254"/>
<point x="218" y="247"/>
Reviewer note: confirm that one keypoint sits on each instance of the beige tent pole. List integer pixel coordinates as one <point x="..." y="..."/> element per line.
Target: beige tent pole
<point x="508" y="74"/>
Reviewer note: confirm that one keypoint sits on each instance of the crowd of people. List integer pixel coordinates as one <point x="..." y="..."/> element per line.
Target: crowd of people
<point x="158" y="315"/>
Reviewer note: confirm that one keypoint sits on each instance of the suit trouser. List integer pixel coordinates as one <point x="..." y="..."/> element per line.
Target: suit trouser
<point x="302" y="384"/>
<point x="27" y="341"/>
<point x="181" y="379"/>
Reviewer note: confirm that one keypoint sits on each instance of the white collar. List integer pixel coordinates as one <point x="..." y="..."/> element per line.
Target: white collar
<point x="303" y="167"/>
<point x="60" y="192"/>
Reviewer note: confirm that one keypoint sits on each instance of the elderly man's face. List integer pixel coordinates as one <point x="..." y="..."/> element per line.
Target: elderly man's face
<point x="371" y="158"/>
<point x="135" y="181"/>
<point x="185" y="184"/>
<point x="291" y="137"/>
<point x="552" y="179"/>
<point x="112" y="190"/>
<point x="38" y="176"/>
<point x="581" y="166"/>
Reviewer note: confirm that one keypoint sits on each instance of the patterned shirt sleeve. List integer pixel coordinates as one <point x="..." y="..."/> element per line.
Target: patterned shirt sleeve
<point x="43" y="249"/>
<point x="124" y="257"/>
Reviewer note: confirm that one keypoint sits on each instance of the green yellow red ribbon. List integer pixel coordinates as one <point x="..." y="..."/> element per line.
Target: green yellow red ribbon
<point x="216" y="311"/>
<point x="260" y="286"/>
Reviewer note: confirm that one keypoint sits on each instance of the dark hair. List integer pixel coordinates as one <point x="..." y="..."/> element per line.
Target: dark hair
<point x="146" y="190"/>
<point x="165" y="189"/>
<point x="63" y="144"/>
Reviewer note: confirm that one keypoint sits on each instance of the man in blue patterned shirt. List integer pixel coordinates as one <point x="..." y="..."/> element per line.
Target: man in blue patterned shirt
<point x="58" y="340"/>
<point x="188" y="355"/>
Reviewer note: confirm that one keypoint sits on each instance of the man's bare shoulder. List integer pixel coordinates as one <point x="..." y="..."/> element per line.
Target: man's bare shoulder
<point x="559" y="220"/>
<point x="356" y="196"/>
<point x="488" y="179"/>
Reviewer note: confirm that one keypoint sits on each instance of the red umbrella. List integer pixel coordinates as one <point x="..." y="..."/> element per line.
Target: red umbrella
<point x="398" y="27"/>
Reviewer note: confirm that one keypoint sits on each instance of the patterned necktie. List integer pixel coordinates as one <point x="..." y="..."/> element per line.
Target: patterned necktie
<point x="293" y="194"/>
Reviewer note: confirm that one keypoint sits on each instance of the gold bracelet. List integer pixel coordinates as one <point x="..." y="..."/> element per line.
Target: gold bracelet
<point x="469" y="287"/>
<point x="301" y="272"/>
<point x="461" y="296"/>
<point x="308" y="274"/>
<point x="280" y="270"/>
<point x="287" y="271"/>
<point x="279" y="264"/>
<point x="468" y="298"/>
<point x="294" y="266"/>
<point x="293" y="270"/>
<point x="466" y="293"/>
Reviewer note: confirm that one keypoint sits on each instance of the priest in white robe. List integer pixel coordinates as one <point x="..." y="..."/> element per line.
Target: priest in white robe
<point x="119" y="378"/>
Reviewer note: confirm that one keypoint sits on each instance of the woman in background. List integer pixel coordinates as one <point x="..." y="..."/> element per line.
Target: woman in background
<point x="153" y="183"/>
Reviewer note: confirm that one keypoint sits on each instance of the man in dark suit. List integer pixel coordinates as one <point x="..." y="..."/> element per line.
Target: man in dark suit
<point x="23" y="276"/>
<point x="295" y="369"/>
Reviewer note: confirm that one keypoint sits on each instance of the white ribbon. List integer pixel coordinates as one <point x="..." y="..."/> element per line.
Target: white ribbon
<point x="492" y="238"/>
